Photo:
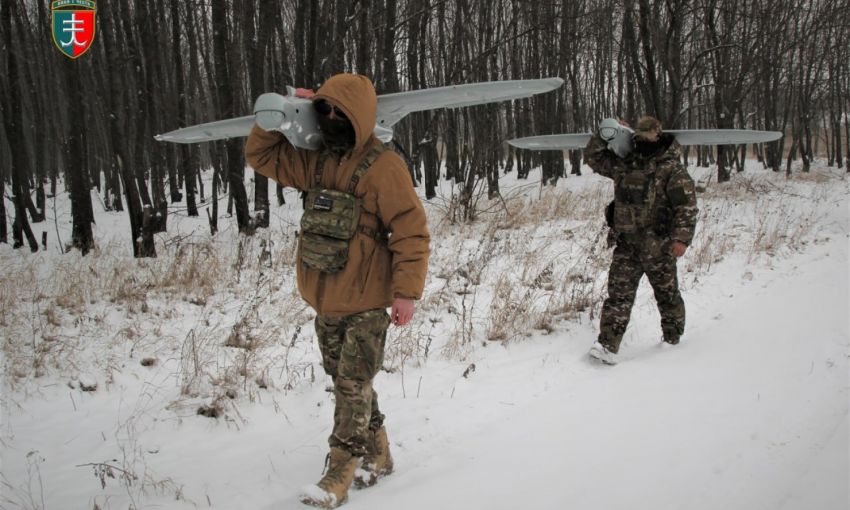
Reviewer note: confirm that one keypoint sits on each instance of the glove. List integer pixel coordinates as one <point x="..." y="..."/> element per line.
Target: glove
<point x="304" y="93"/>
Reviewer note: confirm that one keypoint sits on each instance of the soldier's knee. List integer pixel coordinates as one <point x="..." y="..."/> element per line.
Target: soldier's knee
<point x="352" y="387"/>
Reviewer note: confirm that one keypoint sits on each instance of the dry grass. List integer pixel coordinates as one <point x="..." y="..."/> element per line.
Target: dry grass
<point x="543" y="259"/>
<point x="534" y="257"/>
<point x="238" y="359"/>
<point x="760" y="215"/>
<point x="225" y="320"/>
<point x="408" y="345"/>
<point x="75" y="312"/>
<point x="533" y="262"/>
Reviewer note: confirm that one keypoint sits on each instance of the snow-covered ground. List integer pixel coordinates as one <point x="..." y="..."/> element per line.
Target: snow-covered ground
<point x="749" y="411"/>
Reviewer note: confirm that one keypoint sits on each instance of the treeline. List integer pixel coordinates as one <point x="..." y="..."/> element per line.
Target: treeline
<point x="161" y="64"/>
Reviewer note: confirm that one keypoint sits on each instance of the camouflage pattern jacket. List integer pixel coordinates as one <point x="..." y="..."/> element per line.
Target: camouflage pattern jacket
<point x="653" y="196"/>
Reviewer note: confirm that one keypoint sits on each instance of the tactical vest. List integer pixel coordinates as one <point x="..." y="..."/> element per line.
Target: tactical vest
<point x="634" y="195"/>
<point x="332" y="217"/>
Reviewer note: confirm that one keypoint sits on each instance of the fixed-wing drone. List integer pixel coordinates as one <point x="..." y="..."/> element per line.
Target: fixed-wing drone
<point x="296" y="119"/>
<point x="619" y="138"/>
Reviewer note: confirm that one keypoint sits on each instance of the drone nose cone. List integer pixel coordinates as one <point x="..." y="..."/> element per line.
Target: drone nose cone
<point x="609" y="128"/>
<point x="608" y="133"/>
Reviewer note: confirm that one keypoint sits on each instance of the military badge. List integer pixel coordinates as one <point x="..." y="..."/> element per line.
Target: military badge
<point x="73" y="26"/>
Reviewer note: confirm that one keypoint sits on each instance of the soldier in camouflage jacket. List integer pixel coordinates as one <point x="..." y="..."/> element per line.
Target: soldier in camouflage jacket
<point x="653" y="216"/>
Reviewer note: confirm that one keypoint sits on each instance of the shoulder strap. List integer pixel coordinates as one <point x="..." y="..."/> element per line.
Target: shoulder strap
<point x="320" y="167"/>
<point x="364" y="165"/>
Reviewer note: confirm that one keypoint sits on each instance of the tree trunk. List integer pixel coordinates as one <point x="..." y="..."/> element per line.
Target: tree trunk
<point x="228" y="104"/>
<point x="200" y="177"/>
<point x="279" y="193"/>
<point x="119" y="105"/>
<point x="14" y="126"/>
<point x="114" y="185"/>
<point x="363" y="46"/>
<point x="213" y="217"/>
<point x="190" y="156"/>
<point x="153" y="110"/>
<point x="76" y="172"/>
<point x="255" y="56"/>
<point x="389" y="76"/>
<point x="36" y="214"/>
<point x="847" y="138"/>
<point x="4" y="236"/>
<point x="40" y="200"/>
<point x="792" y="153"/>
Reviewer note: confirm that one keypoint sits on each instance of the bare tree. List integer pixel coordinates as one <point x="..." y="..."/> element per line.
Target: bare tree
<point x="14" y="129"/>
<point x="225" y="61"/>
<point x="765" y="64"/>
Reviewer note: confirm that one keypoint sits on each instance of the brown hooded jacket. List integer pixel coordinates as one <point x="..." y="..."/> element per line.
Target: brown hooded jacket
<point x="376" y="271"/>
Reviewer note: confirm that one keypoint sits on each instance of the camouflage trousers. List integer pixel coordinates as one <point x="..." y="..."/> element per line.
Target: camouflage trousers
<point x="352" y="353"/>
<point x="631" y="261"/>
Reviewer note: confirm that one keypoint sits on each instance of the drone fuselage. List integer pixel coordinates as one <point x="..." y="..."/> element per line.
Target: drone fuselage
<point x="290" y="115"/>
<point x="296" y="119"/>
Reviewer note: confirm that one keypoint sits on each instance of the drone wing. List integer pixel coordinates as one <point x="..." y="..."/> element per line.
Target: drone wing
<point x="683" y="136"/>
<point x="218" y="130"/>
<point x="296" y="122"/>
<point x="722" y="136"/>
<point x="394" y="107"/>
<point x="552" y="142"/>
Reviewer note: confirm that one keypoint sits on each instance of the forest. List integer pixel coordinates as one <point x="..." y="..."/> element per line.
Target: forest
<point x="89" y="123"/>
<point x="157" y="348"/>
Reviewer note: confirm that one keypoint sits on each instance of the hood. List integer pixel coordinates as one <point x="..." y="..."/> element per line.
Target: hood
<point x="355" y="95"/>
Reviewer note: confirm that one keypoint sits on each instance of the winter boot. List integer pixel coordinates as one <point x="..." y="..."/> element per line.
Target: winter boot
<point x="671" y="339"/>
<point x="601" y="353"/>
<point x="377" y="463"/>
<point x="332" y="490"/>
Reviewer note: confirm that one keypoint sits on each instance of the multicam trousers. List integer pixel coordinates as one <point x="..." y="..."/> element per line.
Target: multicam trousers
<point x="352" y="353"/>
<point x="633" y="259"/>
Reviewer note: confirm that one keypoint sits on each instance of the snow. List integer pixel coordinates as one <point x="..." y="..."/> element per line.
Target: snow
<point x="315" y="493"/>
<point x="750" y="410"/>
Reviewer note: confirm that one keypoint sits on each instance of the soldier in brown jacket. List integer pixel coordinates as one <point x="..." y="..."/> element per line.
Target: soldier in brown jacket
<point x="363" y="247"/>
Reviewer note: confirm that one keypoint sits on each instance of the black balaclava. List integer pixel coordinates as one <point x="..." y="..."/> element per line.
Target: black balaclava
<point x="338" y="133"/>
<point x="645" y="148"/>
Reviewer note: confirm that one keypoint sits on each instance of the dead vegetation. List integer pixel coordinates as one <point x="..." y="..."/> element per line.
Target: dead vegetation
<point x="227" y="319"/>
<point x="225" y="322"/>
<point x="761" y="215"/>
<point x="89" y="311"/>
<point x="522" y="270"/>
<point x="544" y="259"/>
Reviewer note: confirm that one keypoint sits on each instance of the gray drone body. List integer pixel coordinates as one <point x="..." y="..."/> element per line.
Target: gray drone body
<point x="619" y="138"/>
<point x="290" y="115"/>
<point x="295" y="117"/>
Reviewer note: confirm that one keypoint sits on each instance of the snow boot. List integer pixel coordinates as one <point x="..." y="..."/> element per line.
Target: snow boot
<point x="332" y="490"/>
<point x="671" y="339"/>
<point x="601" y="353"/>
<point x="377" y="463"/>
